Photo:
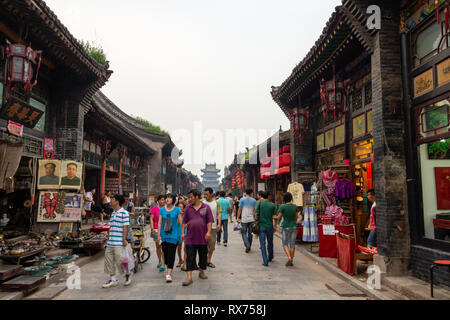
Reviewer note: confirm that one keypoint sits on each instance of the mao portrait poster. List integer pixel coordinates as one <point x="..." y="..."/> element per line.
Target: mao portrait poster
<point x="73" y="203"/>
<point x="71" y="175"/>
<point x="51" y="206"/>
<point x="49" y="174"/>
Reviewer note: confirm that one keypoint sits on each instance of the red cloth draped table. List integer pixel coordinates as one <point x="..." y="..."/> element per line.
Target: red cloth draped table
<point x="98" y="228"/>
<point x="346" y="254"/>
<point x="327" y="243"/>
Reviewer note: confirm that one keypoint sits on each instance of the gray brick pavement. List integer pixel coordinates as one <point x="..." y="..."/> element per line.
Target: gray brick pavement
<point x="237" y="275"/>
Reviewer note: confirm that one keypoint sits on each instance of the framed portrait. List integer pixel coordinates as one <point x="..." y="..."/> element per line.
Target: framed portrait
<point x="51" y="206"/>
<point x="73" y="202"/>
<point x="65" y="227"/>
<point x="329" y="138"/>
<point x="71" y="175"/>
<point x="320" y="142"/>
<point x="359" y="126"/>
<point x="49" y="174"/>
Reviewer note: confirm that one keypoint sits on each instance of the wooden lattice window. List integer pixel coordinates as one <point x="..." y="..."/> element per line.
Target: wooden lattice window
<point x="429" y="40"/>
<point x="368" y="94"/>
<point x="357" y="100"/>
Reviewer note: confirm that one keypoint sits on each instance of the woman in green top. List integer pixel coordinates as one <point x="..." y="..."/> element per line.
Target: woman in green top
<point x="288" y="211"/>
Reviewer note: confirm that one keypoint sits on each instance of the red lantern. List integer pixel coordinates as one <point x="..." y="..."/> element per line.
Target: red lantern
<point x="332" y="95"/>
<point x="18" y="66"/>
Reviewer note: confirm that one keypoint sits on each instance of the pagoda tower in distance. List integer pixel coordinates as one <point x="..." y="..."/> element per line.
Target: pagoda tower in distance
<point x="211" y="177"/>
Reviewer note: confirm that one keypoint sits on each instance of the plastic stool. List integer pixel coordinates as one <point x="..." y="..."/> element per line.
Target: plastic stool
<point x="438" y="263"/>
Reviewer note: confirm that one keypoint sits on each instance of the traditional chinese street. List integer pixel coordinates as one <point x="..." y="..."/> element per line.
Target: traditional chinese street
<point x="237" y="276"/>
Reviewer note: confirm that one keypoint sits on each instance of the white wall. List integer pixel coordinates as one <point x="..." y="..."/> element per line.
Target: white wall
<point x="429" y="188"/>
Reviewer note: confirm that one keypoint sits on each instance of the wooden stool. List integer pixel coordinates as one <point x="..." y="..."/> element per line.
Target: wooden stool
<point x="438" y="263"/>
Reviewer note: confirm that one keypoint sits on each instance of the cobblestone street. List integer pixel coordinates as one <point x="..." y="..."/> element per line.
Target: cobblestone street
<point x="237" y="276"/>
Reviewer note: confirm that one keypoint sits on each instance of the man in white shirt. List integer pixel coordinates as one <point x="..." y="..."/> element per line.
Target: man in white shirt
<point x="88" y="202"/>
<point x="246" y="214"/>
<point x="217" y="215"/>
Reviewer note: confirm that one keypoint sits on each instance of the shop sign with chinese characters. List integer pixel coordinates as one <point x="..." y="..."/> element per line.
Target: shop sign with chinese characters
<point x="15" y="128"/>
<point x="20" y="112"/>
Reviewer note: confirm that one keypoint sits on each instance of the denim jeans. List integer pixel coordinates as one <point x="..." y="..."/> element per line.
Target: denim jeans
<point x="246" y="233"/>
<point x="225" y="232"/>
<point x="263" y="234"/>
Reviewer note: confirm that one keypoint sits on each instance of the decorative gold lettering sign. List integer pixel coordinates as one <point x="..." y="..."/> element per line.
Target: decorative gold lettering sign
<point x="443" y="72"/>
<point x="423" y="83"/>
<point x="339" y="134"/>
<point x="359" y="126"/>
<point x="329" y="138"/>
<point x="320" y="142"/>
<point x="369" y="121"/>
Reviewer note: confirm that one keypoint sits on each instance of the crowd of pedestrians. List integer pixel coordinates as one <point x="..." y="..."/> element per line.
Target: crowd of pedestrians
<point x="192" y="227"/>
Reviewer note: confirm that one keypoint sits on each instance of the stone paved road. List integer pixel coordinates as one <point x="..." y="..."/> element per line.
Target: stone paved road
<point x="237" y="276"/>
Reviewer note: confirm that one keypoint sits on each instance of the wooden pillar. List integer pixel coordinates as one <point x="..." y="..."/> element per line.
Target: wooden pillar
<point x="102" y="178"/>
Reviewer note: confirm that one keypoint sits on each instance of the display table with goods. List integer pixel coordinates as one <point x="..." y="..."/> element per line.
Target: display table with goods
<point x="327" y="238"/>
<point x="99" y="228"/>
<point x="349" y="252"/>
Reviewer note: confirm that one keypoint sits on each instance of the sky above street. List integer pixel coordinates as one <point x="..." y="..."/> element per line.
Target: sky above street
<point x="200" y="68"/>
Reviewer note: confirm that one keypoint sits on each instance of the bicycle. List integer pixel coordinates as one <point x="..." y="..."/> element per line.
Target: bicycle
<point x="141" y="253"/>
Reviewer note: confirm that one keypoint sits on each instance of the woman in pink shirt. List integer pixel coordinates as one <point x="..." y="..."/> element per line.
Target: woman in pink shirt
<point x="154" y="216"/>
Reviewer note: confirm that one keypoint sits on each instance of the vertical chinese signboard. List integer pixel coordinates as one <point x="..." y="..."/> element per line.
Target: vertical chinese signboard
<point x="49" y="148"/>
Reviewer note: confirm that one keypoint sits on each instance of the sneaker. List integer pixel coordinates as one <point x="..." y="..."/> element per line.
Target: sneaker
<point x="158" y="266"/>
<point x="168" y="278"/>
<point x="247" y="249"/>
<point x="110" y="283"/>
<point x="224" y="244"/>
<point x="187" y="283"/>
<point x="218" y="243"/>
<point x="265" y="265"/>
<point x="162" y="269"/>
<point x="202" y="276"/>
<point x="127" y="279"/>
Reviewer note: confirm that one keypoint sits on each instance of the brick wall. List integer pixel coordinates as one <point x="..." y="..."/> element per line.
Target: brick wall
<point x="388" y="133"/>
<point x="421" y="260"/>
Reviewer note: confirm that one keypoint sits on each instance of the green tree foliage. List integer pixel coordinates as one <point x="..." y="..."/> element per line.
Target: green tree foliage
<point x="95" y="51"/>
<point x="150" y="126"/>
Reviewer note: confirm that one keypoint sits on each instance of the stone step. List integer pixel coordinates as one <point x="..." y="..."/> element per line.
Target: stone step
<point x="23" y="283"/>
<point x="344" y="289"/>
<point x="48" y="293"/>
<point x="10" y="271"/>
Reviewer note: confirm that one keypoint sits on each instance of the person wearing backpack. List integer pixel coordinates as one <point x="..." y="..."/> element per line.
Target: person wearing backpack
<point x="217" y="224"/>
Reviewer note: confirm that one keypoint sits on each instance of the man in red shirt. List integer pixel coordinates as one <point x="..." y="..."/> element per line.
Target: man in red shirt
<point x="372" y="239"/>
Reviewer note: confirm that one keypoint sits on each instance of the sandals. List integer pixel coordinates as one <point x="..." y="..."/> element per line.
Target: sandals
<point x="211" y="265"/>
<point x="180" y="264"/>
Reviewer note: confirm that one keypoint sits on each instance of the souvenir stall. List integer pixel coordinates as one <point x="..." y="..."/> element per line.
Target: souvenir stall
<point x="275" y="169"/>
<point x="362" y="177"/>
